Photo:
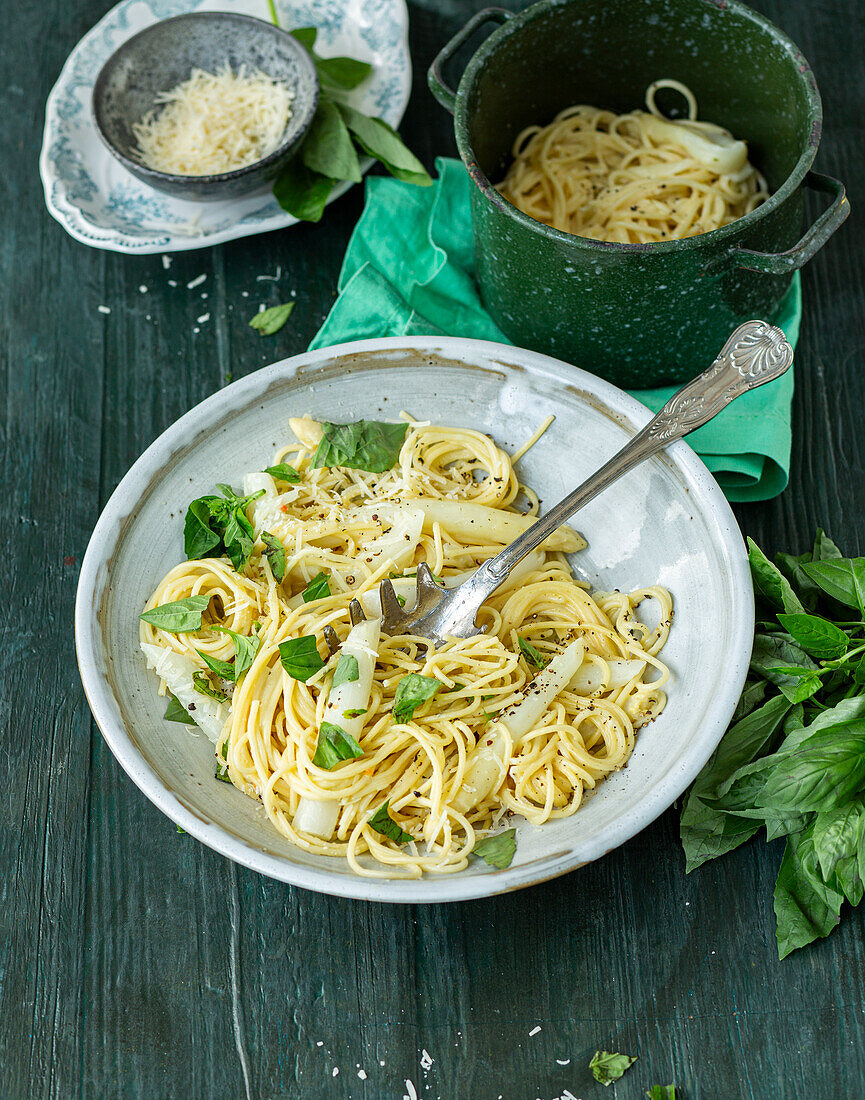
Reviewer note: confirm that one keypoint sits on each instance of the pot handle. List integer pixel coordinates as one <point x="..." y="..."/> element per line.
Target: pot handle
<point x="445" y="95"/>
<point x="781" y="263"/>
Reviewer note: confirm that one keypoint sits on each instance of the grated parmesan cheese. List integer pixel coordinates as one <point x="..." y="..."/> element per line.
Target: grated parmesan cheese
<point x="213" y="123"/>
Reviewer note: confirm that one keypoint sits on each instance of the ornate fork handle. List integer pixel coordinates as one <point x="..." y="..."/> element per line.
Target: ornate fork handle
<point x="757" y="352"/>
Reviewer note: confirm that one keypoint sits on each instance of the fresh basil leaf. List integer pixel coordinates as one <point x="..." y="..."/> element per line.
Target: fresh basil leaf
<point x="662" y="1092"/>
<point x="334" y="745"/>
<point x="302" y="192"/>
<point x="199" y="537"/>
<point x="839" y="842"/>
<point x="497" y="851"/>
<point x="346" y="671"/>
<point x="317" y="588"/>
<point x="841" y="578"/>
<point x="306" y="36"/>
<point x="859" y="671"/>
<point x="809" y="685"/>
<point x="356" y="712"/>
<point x="823" y="772"/>
<point x="607" y="1066"/>
<point x="177" y="712"/>
<point x="770" y="582"/>
<point x="222" y="768"/>
<point x="532" y="655"/>
<point x="824" y="548"/>
<point x="283" y="472"/>
<point x="381" y="141"/>
<point x="179" y="616"/>
<point x="270" y="321"/>
<point x="370" y="445"/>
<point x="752" y="697"/>
<point x="201" y="683"/>
<point x="328" y="148"/>
<point x="275" y="554"/>
<point x="343" y="73"/>
<point x="300" y="657"/>
<point x="245" y="649"/>
<point x="238" y="538"/>
<point x="815" y="635"/>
<point x="771" y="652"/>
<point x="223" y="669"/>
<point x="803" y="586"/>
<point x="383" y="823"/>
<point x="705" y="830"/>
<point x="411" y="692"/>
<point x="806" y="906"/>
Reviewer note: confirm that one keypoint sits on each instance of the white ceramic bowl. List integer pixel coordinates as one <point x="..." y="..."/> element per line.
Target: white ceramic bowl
<point x="665" y="522"/>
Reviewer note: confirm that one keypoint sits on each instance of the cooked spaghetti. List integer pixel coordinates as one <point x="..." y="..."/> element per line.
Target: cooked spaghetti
<point x="393" y="753"/>
<point x="636" y="178"/>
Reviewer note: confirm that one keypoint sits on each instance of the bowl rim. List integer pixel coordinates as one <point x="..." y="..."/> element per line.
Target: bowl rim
<point x="519" y="20"/>
<point x="110" y="531"/>
<point x="143" y="171"/>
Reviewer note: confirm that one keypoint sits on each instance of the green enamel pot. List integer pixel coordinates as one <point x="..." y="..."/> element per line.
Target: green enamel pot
<point x="639" y="315"/>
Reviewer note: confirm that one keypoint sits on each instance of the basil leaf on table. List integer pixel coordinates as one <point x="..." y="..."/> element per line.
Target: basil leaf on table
<point x="317" y="588"/>
<point x="497" y="851"/>
<point x="841" y="578"/>
<point x="300" y="657"/>
<point x="177" y="712"/>
<point x="773" y="652"/>
<point x="383" y="823"/>
<point x="608" y="1066"/>
<point x="370" y="445"/>
<point x="381" y="141"/>
<point x="411" y="692"/>
<point x="770" y="582"/>
<point x="275" y="554"/>
<point x="334" y="745"/>
<point x="202" y="684"/>
<point x="817" y="636"/>
<point x="839" y="842"/>
<point x="823" y="772"/>
<point x="302" y="192"/>
<point x="662" y="1092"/>
<point x="271" y="320"/>
<point x="532" y="655"/>
<point x="807" y="907"/>
<point x="328" y="148"/>
<point x="179" y="616"/>
<point x="283" y="472"/>
<point x="346" y="671"/>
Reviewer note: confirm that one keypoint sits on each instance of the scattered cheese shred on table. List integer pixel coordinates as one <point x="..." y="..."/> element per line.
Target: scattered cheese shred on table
<point x="213" y="123"/>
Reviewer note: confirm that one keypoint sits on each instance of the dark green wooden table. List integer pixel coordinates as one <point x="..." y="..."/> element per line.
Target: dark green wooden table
<point x="136" y="963"/>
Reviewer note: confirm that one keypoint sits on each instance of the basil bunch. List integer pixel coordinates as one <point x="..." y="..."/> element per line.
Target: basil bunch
<point x="793" y="762"/>
<point x="329" y="151"/>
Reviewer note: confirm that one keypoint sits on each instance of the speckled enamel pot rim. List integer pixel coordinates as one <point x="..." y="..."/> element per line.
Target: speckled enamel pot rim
<point x="522" y="19"/>
<point x="704" y="499"/>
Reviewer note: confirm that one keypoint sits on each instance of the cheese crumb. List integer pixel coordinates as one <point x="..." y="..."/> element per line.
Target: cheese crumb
<point x="104" y="309"/>
<point x="197" y="281"/>
<point x="204" y="317"/>
<point x="534" y="1031"/>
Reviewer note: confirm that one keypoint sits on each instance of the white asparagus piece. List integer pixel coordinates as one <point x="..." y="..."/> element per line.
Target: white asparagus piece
<point x="476" y="523"/>
<point x="318" y="816"/>
<point x="175" y="670"/>
<point x="715" y="148"/>
<point x="590" y="675"/>
<point x="308" y="432"/>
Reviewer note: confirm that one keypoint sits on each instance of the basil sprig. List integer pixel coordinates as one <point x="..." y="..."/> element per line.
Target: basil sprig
<point x="334" y="745"/>
<point x="371" y="445"/>
<point x="329" y="151"/>
<point x="383" y="823"/>
<point x="218" y="525"/>
<point x="793" y="761"/>
<point x="180" y="616"/>
<point x="300" y="657"/>
<point x="413" y="691"/>
<point x="497" y="851"/>
<point x="608" y="1066"/>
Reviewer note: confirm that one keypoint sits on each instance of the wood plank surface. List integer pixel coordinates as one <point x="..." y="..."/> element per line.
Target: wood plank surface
<point x="136" y="963"/>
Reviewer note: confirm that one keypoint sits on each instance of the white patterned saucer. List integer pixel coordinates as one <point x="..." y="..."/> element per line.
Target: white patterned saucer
<point x="101" y="204"/>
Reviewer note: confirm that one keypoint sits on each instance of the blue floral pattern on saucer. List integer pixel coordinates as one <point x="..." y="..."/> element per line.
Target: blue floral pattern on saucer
<point x="101" y="204"/>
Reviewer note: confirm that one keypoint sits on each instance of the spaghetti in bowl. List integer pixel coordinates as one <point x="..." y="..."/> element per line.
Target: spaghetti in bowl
<point x="473" y="387"/>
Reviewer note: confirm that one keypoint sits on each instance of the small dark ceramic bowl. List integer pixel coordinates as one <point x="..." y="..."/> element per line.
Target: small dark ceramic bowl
<point x="164" y="55"/>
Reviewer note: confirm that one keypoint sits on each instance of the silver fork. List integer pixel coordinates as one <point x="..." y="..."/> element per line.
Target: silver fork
<point x="756" y="353"/>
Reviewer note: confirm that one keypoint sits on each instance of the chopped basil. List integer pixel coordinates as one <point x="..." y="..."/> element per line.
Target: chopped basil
<point x="412" y="691"/>
<point x="532" y="655"/>
<point x="201" y="683"/>
<point x="179" y="617"/>
<point x="370" y="445"/>
<point x="355" y="713"/>
<point x="271" y="320"/>
<point x="498" y="850"/>
<point x="334" y="745"/>
<point x="300" y="658"/>
<point x="222" y="768"/>
<point x="275" y="554"/>
<point x="177" y="712"/>
<point x="383" y="823"/>
<point x="283" y="472"/>
<point x="317" y="588"/>
<point x="607" y="1067"/>
<point x="346" y="670"/>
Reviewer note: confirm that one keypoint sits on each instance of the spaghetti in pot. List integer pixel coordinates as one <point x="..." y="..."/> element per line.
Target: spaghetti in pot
<point x="635" y="178"/>
<point x="522" y="719"/>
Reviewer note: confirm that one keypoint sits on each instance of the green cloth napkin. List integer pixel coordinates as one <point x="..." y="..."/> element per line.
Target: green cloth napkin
<point x="408" y="271"/>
